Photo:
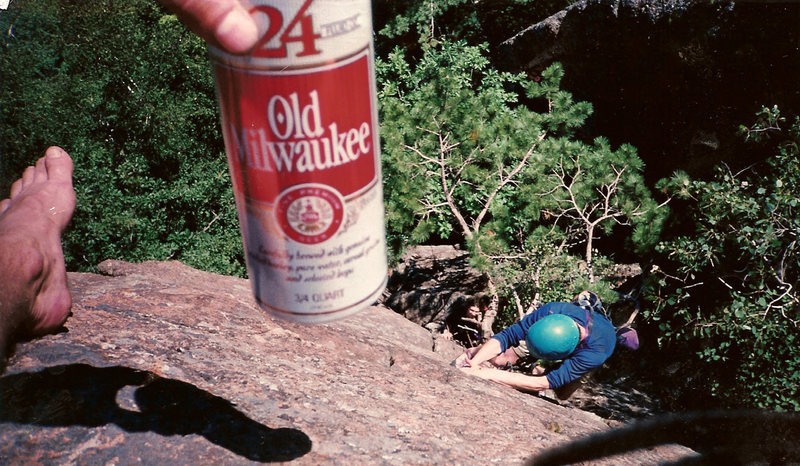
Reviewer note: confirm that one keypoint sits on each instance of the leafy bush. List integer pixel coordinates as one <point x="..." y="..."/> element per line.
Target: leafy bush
<point x="127" y="91"/>
<point x="729" y="288"/>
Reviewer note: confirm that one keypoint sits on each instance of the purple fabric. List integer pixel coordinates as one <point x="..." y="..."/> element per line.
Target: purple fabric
<point x="628" y="338"/>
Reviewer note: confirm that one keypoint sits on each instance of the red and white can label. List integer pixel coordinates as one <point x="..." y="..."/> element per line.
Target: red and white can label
<point x="300" y="126"/>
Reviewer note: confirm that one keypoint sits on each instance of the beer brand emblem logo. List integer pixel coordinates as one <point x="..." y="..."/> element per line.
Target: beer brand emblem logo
<point x="310" y="214"/>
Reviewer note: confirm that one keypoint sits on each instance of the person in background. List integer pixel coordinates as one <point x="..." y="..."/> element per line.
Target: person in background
<point x="464" y="322"/>
<point x="34" y="298"/>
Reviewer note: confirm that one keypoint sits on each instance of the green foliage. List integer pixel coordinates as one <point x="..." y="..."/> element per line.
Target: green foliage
<point x="425" y="19"/>
<point x="127" y="91"/>
<point x="438" y="98"/>
<point x="592" y="188"/>
<point x="729" y="288"/>
<point x="465" y="160"/>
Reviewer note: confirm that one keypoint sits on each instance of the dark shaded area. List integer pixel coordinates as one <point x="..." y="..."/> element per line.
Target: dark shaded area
<point x="674" y="79"/>
<point x="80" y="394"/>
<point x="720" y="437"/>
<point x="429" y="286"/>
<point x="465" y="327"/>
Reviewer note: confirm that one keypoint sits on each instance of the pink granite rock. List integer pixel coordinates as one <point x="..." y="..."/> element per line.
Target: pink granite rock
<point x="161" y="363"/>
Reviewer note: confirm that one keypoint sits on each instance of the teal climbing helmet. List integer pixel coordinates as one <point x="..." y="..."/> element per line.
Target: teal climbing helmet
<point x="553" y="337"/>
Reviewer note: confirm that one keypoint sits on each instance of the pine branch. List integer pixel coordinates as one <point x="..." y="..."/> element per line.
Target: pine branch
<point x="504" y="181"/>
<point x="444" y="151"/>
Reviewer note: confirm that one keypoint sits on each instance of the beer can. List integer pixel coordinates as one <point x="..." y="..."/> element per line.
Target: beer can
<point x="299" y="119"/>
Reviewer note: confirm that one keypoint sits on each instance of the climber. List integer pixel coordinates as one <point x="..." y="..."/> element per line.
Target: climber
<point x="464" y="322"/>
<point x="576" y="333"/>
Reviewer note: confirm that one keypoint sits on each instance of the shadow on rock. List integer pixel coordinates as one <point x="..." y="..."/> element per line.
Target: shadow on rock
<point x="80" y="394"/>
<point x="740" y="437"/>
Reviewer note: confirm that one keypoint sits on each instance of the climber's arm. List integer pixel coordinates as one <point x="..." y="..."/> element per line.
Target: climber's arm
<point x="512" y="379"/>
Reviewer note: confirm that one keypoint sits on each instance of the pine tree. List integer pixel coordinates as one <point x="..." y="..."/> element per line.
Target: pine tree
<point x="465" y="159"/>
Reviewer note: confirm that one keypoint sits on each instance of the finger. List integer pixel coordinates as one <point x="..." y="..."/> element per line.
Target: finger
<point x="222" y="23"/>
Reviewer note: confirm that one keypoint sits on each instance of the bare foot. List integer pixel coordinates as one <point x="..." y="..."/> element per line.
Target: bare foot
<point x="33" y="279"/>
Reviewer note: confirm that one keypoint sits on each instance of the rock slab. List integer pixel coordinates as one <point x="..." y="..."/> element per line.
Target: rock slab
<point x="162" y="363"/>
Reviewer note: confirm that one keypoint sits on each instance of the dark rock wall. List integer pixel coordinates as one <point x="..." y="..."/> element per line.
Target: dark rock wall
<point x="673" y="78"/>
<point x="432" y="281"/>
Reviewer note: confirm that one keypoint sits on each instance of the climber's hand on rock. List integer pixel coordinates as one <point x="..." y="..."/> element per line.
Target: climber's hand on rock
<point x="462" y="361"/>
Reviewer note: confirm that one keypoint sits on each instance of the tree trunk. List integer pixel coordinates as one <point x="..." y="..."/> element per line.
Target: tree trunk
<point x="491" y="312"/>
<point x="518" y="302"/>
<point x="589" y="237"/>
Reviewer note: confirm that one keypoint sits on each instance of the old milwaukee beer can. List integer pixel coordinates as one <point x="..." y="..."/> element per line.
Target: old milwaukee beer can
<point x="299" y="118"/>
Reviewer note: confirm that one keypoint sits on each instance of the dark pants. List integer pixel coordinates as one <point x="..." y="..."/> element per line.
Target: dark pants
<point x="565" y="391"/>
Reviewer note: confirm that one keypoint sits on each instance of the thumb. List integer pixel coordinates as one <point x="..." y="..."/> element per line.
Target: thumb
<point x="223" y="23"/>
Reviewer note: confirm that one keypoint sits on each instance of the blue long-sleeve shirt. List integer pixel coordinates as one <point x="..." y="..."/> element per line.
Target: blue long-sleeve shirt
<point x="591" y="353"/>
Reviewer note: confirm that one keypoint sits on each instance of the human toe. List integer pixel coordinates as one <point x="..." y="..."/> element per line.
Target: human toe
<point x="59" y="165"/>
<point x="16" y="188"/>
<point x="40" y="171"/>
<point x="28" y="177"/>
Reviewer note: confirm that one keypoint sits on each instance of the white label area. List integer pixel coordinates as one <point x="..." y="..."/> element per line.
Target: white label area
<point x="318" y="282"/>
